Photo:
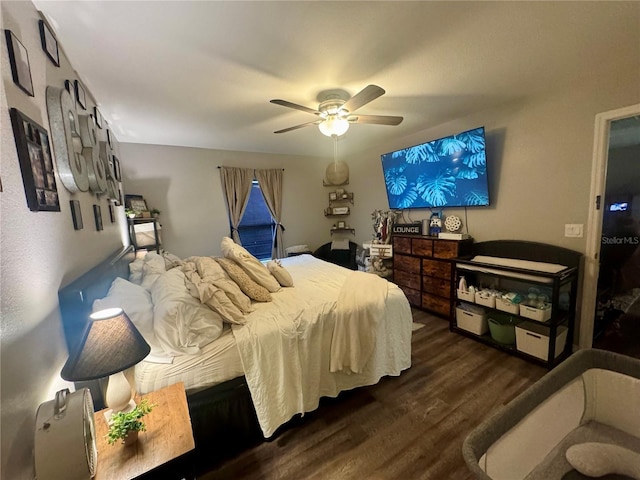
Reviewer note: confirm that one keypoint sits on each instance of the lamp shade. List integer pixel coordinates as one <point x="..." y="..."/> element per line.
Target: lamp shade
<point x="110" y="344"/>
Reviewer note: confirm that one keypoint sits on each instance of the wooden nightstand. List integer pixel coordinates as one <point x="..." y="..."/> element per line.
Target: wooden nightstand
<point x="168" y="437"/>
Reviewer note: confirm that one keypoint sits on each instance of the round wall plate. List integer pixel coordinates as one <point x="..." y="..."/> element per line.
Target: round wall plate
<point x="337" y="173"/>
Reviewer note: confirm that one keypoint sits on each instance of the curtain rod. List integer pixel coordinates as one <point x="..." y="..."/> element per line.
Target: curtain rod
<point x="219" y="166"/>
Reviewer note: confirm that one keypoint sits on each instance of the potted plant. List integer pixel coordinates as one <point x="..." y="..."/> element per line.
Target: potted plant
<point x="155" y="212"/>
<point x="126" y="425"/>
<point x="131" y="213"/>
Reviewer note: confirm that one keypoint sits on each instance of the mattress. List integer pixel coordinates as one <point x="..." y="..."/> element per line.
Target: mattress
<point x="218" y="362"/>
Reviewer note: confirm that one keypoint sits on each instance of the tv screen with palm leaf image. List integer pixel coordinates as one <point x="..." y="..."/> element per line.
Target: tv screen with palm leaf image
<point x="447" y="172"/>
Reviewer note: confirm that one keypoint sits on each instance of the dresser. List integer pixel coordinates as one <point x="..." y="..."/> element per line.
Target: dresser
<point x="423" y="269"/>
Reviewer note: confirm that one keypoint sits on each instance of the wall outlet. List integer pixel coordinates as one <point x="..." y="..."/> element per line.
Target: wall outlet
<point x="574" y="230"/>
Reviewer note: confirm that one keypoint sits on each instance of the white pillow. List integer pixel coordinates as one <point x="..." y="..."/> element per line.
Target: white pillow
<point x="136" y="303"/>
<point x="135" y="270"/>
<point x="340" y="244"/>
<point x="152" y="268"/>
<point x="181" y="323"/>
<point x="250" y="264"/>
<point x="281" y="273"/>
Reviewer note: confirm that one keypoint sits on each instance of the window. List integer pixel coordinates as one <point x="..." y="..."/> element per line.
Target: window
<point x="256" y="226"/>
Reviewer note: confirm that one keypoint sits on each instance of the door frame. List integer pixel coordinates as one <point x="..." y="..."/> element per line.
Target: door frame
<point x="594" y="222"/>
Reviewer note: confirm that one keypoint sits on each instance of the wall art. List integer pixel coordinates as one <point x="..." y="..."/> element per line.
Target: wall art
<point x="19" y="60"/>
<point x="76" y="214"/>
<point x="49" y="43"/>
<point x="112" y="213"/>
<point x="81" y="98"/>
<point x="97" y="213"/>
<point x="67" y="145"/>
<point x="36" y="163"/>
<point x="116" y="169"/>
<point x="98" y="117"/>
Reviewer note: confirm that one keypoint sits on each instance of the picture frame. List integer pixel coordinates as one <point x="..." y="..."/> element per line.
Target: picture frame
<point x="341" y="224"/>
<point x="112" y="213"/>
<point x="135" y="202"/>
<point x="76" y="214"/>
<point x="49" y="43"/>
<point x="109" y="138"/>
<point x="97" y="214"/>
<point x="99" y="119"/>
<point x="36" y="163"/>
<point x="333" y="196"/>
<point x="81" y="97"/>
<point x="19" y="60"/>
<point x="116" y="169"/>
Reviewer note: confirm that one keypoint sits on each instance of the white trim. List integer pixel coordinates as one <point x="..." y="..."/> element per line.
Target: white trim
<point x="594" y="223"/>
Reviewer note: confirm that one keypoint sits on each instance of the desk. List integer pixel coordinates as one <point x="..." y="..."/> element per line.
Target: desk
<point x="168" y="437"/>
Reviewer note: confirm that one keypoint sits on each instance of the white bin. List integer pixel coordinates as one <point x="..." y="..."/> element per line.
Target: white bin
<point x="467" y="296"/>
<point x="506" y="306"/>
<point x="472" y="322"/>
<point x="533" y="339"/>
<point x="539" y="314"/>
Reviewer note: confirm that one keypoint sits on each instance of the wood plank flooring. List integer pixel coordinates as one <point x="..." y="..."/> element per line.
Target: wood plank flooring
<point x="406" y="427"/>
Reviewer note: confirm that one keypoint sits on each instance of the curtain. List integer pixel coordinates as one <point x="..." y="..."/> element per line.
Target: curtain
<point x="271" y="186"/>
<point x="236" y="187"/>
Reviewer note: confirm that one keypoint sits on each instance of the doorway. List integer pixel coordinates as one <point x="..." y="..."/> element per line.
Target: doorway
<point x="610" y="306"/>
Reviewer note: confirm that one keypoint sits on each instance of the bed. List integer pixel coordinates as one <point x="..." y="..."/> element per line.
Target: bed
<point x="248" y="383"/>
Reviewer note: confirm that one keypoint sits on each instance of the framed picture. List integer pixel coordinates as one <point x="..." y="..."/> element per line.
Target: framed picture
<point x="109" y="139"/>
<point x="80" y="95"/>
<point x="97" y="213"/>
<point x="49" y="43"/>
<point x="76" y="214"/>
<point x="135" y="202"/>
<point x="333" y="196"/>
<point x="116" y="169"/>
<point x="36" y="163"/>
<point x="341" y="224"/>
<point x="19" y="60"/>
<point x="98" y="117"/>
<point x="112" y="213"/>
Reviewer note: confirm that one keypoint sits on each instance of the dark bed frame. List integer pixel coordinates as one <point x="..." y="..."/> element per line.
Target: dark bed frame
<point x="223" y="417"/>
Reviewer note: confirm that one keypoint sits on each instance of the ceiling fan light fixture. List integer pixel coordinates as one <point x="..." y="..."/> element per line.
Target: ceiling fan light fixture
<point x="334" y="125"/>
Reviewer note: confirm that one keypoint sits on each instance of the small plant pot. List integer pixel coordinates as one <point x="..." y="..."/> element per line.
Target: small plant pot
<point x="131" y="438"/>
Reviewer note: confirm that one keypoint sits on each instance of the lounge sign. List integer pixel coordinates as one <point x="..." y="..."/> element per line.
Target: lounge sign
<point x="407" y="228"/>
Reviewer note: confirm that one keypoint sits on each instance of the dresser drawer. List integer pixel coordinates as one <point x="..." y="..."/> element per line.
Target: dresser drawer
<point x="413" y="296"/>
<point x="401" y="245"/>
<point x="445" y="249"/>
<point x="437" y="286"/>
<point x="437" y="304"/>
<point x="406" y="263"/>
<point x="436" y="268"/>
<point x="422" y="247"/>
<point x="406" y="279"/>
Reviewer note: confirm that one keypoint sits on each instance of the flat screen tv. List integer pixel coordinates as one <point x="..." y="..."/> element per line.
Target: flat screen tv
<point x="448" y="172"/>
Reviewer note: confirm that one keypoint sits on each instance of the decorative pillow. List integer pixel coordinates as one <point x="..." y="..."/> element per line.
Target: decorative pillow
<point x="250" y="264"/>
<point x="136" y="303"/>
<point x="152" y="268"/>
<point x="211" y="295"/>
<point x="281" y="273"/>
<point x="254" y="290"/>
<point x="181" y="323"/>
<point x="211" y="271"/>
<point x="340" y="244"/>
<point x="595" y="459"/>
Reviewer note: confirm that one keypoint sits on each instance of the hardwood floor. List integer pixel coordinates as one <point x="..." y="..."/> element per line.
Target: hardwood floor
<point x="406" y="427"/>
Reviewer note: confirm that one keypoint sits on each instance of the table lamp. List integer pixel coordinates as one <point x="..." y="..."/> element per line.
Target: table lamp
<point x="110" y="344"/>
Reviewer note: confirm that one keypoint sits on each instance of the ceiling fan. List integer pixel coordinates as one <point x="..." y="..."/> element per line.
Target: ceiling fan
<point x="336" y="114"/>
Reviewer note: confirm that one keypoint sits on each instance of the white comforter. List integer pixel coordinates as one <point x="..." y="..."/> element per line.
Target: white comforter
<point x="285" y="346"/>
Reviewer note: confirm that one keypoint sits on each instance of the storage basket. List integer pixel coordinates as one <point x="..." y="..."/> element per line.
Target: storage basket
<point x="502" y="328"/>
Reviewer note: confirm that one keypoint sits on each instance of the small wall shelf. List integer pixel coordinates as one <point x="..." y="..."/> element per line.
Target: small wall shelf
<point x="342" y="230"/>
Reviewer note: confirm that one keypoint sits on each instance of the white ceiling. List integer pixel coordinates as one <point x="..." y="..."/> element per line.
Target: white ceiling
<point x="202" y="73"/>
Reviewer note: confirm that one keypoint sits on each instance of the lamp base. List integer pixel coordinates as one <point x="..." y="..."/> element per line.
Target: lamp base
<point x="111" y="412"/>
<point x="118" y="395"/>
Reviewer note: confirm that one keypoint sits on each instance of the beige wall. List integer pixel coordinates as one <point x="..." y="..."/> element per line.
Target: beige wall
<point x="539" y="163"/>
<point x="184" y="184"/>
<point x="40" y="251"/>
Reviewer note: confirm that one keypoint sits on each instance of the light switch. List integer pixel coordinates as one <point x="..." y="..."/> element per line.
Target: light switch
<point x="574" y="230"/>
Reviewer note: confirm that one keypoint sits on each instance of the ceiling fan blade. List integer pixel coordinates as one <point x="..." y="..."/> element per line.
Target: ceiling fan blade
<point x="364" y="96"/>
<point x="375" y="119"/>
<point x="296" y="127"/>
<point x="295" y="106"/>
